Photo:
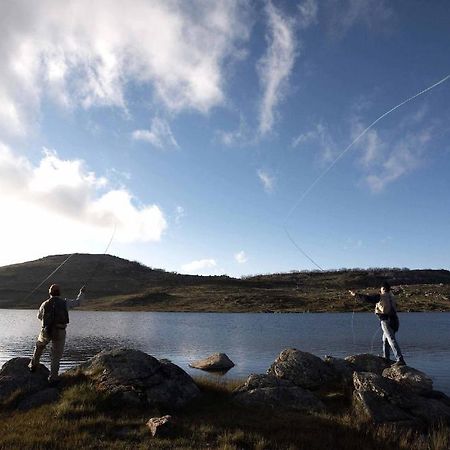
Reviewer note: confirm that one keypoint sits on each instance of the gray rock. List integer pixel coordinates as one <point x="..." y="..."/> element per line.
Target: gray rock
<point x="217" y="361"/>
<point x="269" y="391"/>
<point x="383" y="400"/>
<point x="161" y="426"/>
<point x="302" y="369"/>
<point x="135" y="377"/>
<point x="16" y="378"/>
<point x="343" y="370"/>
<point x="365" y="362"/>
<point x="40" y="398"/>
<point x="412" y="378"/>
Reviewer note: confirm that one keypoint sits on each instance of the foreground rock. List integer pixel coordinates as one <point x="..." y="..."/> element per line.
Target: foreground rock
<point x="384" y="400"/>
<point x="135" y="377"/>
<point x="161" y="426"/>
<point x="302" y="369"/>
<point x="365" y="362"/>
<point x="269" y="391"/>
<point x="215" y="362"/>
<point x="411" y="378"/>
<point x="17" y="380"/>
<point x="343" y="370"/>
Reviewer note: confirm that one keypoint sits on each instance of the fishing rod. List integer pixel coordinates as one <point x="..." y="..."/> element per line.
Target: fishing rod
<point x="45" y="279"/>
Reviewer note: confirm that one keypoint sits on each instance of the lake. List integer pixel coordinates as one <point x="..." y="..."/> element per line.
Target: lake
<point x="252" y="341"/>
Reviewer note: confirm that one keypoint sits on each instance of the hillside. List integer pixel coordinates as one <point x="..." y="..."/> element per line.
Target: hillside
<point x="117" y="284"/>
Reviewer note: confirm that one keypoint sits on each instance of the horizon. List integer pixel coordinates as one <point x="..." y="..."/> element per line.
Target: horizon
<point x="292" y="271"/>
<point x="217" y="138"/>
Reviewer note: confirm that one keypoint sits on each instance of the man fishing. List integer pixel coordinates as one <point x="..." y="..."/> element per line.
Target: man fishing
<point x="386" y="310"/>
<point x="54" y="316"/>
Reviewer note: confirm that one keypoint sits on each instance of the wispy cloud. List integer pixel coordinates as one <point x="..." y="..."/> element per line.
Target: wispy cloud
<point x="276" y="65"/>
<point x="308" y="11"/>
<point x="241" y="257"/>
<point x="160" y="135"/>
<point x="200" y="267"/>
<point x="320" y="138"/>
<point x="179" y="214"/>
<point x="267" y="180"/>
<point x="344" y="14"/>
<point x="84" y="54"/>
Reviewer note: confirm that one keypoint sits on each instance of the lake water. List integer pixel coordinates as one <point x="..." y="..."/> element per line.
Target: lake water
<point x="252" y="341"/>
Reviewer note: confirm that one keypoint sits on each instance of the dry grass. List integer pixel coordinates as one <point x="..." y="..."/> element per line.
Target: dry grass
<point x="85" y="419"/>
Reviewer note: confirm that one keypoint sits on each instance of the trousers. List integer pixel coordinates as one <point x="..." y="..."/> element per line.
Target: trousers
<point x="389" y="342"/>
<point x="58" y="340"/>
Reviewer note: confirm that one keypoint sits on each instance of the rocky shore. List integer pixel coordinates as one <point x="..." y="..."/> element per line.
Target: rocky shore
<point x="372" y="390"/>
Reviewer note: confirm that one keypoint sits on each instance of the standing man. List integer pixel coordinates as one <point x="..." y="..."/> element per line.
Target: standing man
<point x="386" y="310"/>
<point x="54" y="316"/>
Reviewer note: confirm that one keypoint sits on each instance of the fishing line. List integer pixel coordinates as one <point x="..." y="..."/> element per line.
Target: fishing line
<point x="45" y="279"/>
<point x="373" y="339"/>
<point x="330" y="167"/>
<point x="94" y="272"/>
<point x="338" y="158"/>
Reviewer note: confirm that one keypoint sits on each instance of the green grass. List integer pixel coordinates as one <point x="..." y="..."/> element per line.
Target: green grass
<point x="84" y="419"/>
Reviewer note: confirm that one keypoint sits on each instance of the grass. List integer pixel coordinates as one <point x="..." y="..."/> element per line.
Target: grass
<point x="84" y="419"/>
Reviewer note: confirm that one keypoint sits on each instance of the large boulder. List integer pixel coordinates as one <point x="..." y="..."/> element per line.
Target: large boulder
<point x="17" y="380"/>
<point x="342" y="369"/>
<point x="269" y="391"/>
<point x="365" y="362"/>
<point x="215" y="362"/>
<point x="302" y="369"/>
<point x="412" y="378"/>
<point x="48" y="395"/>
<point x="383" y="400"/>
<point x="134" y="376"/>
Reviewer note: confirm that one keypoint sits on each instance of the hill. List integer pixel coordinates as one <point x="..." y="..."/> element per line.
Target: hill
<point x="117" y="284"/>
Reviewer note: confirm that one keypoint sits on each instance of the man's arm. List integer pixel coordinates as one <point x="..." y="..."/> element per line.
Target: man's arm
<point x="375" y="298"/>
<point x="73" y="302"/>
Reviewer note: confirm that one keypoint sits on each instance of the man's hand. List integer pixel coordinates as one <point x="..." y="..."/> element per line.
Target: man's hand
<point x="352" y="293"/>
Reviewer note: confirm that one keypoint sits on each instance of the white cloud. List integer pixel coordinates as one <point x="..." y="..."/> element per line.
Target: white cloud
<point x="57" y="190"/>
<point x="308" y="10"/>
<point x="85" y="54"/>
<point x="200" y="267"/>
<point x="160" y="134"/>
<point x="267" y="180"/>
<point x="241" y="257"/>
<point x="385" y="156"/>
<point x="344" y="14"/>
<point x="179" y="214"/>
<point x="319" y="136"/>
<point x="276" y="65"/>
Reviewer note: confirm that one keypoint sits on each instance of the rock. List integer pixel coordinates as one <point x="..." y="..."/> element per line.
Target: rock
<point x="217" y="361"/>
<point x="161" y="426"/>
<point x="302" y="369"/>
<point x="16" y="378"/>
<point x="135" y="377"/>
<point x="343" y="370"/>
<point x="365" y="362"/>
<point x="269" y="391"/>
<point x="40" y="398"/>
<point x="384" y="400"/>
<point x="412" y="378"/>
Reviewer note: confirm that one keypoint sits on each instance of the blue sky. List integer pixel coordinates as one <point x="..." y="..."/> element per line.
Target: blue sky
<point x="194" y="128"/>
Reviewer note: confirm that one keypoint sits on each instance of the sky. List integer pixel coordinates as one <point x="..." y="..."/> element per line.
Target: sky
<point x="212" y="137"/>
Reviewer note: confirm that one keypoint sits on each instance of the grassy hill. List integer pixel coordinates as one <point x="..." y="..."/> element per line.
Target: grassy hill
<point x="117" y="284"/>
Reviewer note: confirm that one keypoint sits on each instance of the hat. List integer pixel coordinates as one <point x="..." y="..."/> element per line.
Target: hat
<point x="54" y="290"/>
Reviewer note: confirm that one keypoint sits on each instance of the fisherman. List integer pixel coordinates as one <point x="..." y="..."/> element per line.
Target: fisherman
<point x="54" y="316"/>
<point x="386" y="310"/>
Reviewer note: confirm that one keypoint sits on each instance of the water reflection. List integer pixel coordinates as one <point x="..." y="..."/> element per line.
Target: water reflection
<point x="252" y="341"/>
